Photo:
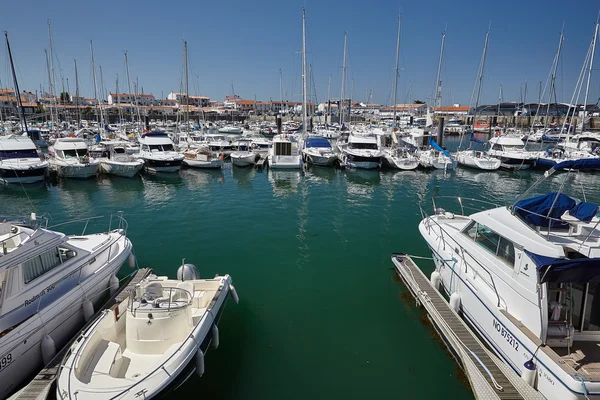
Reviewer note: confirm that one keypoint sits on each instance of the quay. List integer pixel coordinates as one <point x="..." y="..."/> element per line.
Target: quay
<point x="489" y="377"/>
<point x="43" y="386"/>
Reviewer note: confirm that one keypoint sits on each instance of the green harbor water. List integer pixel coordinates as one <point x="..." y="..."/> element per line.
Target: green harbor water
<point x="321" y="315"/>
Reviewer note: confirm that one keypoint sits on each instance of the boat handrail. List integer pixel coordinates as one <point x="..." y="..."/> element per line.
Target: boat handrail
<point x="428" y="225"/>
<point x="460" y="200"/>
<point x="167" y="295"/>
<point x="119" y="215"/>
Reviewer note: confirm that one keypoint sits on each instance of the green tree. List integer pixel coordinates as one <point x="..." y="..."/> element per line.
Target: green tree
<point x="418" y="102"/>
<point x="65" y="98"/>
<point x="87" y="110"/>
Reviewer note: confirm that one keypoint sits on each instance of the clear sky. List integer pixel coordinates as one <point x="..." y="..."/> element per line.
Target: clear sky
<point x="246" y="43"/>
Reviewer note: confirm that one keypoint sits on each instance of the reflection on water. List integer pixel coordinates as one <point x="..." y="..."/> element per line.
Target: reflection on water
<point x="21" y="200"/>
<point x="284" y="182"/>
<point x="317" y="174"/>
<point x="361" y="184"/>
<point x="196" y="178"/>
<point x="303" y="248"/>
<point x="243" y="176"/>
<point x="160" y="188"/>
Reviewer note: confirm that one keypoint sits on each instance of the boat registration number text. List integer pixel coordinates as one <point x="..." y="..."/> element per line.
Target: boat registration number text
<point x="5" y="361"/>
<point x="506" y="335"/>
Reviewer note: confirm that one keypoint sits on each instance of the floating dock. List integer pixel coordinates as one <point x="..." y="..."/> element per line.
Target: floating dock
<point x="490" y="377"/>
<point x="260" y="164"/>
<point x="43" y="387"/>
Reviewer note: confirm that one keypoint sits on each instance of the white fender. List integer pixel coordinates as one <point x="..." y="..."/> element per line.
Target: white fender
<point x="131" y="260"/>
<point x="88" y="310"/>
<point x="199" y="362"/>
<point x="48" y="349"/>
<point x="113" y="285"/>
<point x="435" y="280"/>
<point x="529" y="373"/>
<point x="215" y="336"/>
<point x="234" y="294"/>
<point x="455" y="301"/>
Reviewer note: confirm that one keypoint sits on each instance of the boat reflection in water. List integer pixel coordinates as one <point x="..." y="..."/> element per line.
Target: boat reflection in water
<point x="201" y="178"/>
<point x="320" y="175"/>
<point x="284" y="182"/>
<point x="160" y="188"/>
<point x="243" y="177"/>
<point x="362" y="183"/>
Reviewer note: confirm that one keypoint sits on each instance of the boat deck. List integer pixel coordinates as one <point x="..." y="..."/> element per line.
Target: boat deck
<point x="43" y="385"/>
<point x="462" y="341"/>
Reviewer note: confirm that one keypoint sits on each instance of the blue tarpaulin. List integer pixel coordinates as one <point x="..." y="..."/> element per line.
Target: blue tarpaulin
<point x="580" y="164"/>
<point x="560" y="270"/>
<point x="474" y="139"/>
<point x="436" y="146"/>
<point x="539" y="210"/>
<point x="317" y="142"/>
<point x="546" y="138"/>
<point x="107" y="128"/>
<point x="584" y="211"/>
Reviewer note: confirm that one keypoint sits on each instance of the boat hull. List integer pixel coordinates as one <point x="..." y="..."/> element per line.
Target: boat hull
<point x="285" y="162"/>
<point x="323" y="160"/>
<point x="23" y="175"/>
<point x="125" y="169"/>
<point x="482" y="163"/>
<point x="152" y="165"/>
<point x="208" y="164"/>
<point x="240" y="160"/>
<point x="75" y="171"/>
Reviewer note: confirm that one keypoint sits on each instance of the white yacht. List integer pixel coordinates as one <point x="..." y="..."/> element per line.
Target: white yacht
<point x="20" y="161"/>
<point x="400" y="158"/>
<point x="218" y="143"/>
<point x="284" y="153"/>
<point x="477" y="159"/>
<point x="149" y="343"/>
<point x="69" y="158"/>
<point x="361" y="152"/>
<point x="511" y="152"/>
<point x="202" y="158"/>
<point x="50" y="284"/>
<point x="526" y="278"/>
<point x="243" y="156"/>
<point x="231" y="130"/>
<point x="158" y="152"/>
<point x="116" y="161"/>
<point x="317" y="151"/>
<point x="585" y="142"/>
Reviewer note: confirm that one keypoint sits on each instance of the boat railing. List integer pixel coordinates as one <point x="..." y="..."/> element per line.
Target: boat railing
<point x="118" y="216"/>
<point x="429" y="223"/>
<point x="172" y="297"/>
<point x="464" y="203"/>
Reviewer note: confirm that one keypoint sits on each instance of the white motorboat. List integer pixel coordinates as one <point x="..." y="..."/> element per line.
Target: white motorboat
<point x="511" y="152"/>
<point x="317" y="151"/>
<point x="20" y="161"/>
<point x="116" y="161"/>
<point x="51" y="284"/>
<point x="361" y="151"/>
<point x="231" y="130"/>
<point x="243" y="156"/>
<point x="429" y="153"/>
<point x="149" y="343"/>
<point x="69" y="158"/>
<point x="200" y="158"/>
<point x="587" y="142"/>
<point x="400" y="158"/>
<point x="158" y="153"/>
<point x="37" y="136"/>
<point x="284" y="153"/>
<point x="526" y="278"/>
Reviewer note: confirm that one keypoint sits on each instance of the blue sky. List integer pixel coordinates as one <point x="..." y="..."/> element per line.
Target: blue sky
<point x="245" y="43"/>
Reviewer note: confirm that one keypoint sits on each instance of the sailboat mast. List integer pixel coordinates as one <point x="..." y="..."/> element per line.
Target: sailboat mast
<point x="18" y="92"/>
<point x="118" y="102"/>
<point x="49" y="82"/>
<point x="553" y="77"/>
<point x="341" y="108"/>
<point x="94" y="75"/>
<point x="187" y="89"/>
<point x="53" y="77"/>
<point x="304" y="114"/>
<point x="481" y="69"/>
<point x="101" y="100"/>
<point x="77" y="94"/>
<point x="438" y="83"/>
<point x="329" y="99"/>
<point x="281" y="87"/>
<point x="587" y="88"/>
<point x="396" y="73"/>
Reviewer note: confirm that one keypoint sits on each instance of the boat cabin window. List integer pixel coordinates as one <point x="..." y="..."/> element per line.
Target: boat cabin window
<point x="7" y="154"/>
<point x="365" y="146"/>
<point x="503" y="248"/>
<point x="496" y="146"/>
<point x="75" y="153"/>
<point x="161" y="147"/>
<point x="119" y="150"/>
<point x="283" y="149"/>
<point x="39" y="265"/>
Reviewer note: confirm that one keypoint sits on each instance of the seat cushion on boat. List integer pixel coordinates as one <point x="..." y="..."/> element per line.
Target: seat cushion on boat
<point x="110" y="361"/>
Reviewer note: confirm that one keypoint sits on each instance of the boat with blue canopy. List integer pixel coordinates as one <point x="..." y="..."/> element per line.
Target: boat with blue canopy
<point x="318" y="151"/>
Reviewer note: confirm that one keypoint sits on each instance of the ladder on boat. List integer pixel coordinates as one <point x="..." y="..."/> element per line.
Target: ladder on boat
<point x="489" y="377"/>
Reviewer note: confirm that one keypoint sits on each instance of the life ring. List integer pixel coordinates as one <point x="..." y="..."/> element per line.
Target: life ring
<point x="253" y="146"/>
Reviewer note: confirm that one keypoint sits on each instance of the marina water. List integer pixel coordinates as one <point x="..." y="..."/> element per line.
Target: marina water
<point x="320" y="315"/>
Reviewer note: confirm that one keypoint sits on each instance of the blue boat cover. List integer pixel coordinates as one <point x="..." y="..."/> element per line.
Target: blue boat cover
<point x="580" y="164"/>
<point x="155" y="134"/>
<point x="584" y="211"/>
<point x="107" y="128"/>
<point x="474" y="139"/>
<point x="436" y="146"/>
<point x="539" y="210"/>
<point x="546" y="138"/>
<point x="560" y="270"/>
<point x="317" y="142"/>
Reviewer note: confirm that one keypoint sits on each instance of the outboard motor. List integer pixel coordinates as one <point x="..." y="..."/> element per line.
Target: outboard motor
<point x="187" y="272"/>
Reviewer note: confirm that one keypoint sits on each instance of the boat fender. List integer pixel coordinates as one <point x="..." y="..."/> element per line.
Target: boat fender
<point x="435" y="280"/>
<point x="48" y="349"/>
<point x="88" y="310"/>
<point x="529" y="373"/>
<point x="131" y="260"/>
<point x="234" y="294"/>
<point x="215" y="336"/>
<point x="113" y="285"/>
<point x="199" y="362"/>
<point x="455" y="301"/>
